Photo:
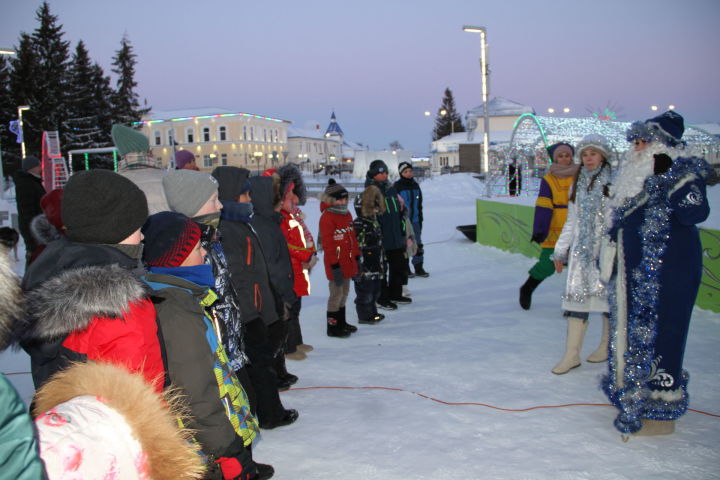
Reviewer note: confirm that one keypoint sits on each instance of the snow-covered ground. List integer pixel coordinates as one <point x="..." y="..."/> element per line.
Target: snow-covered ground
<point x="434" y="391"/>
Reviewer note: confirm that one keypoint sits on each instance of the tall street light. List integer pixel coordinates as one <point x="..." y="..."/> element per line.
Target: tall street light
<point x="3" y="51"/>
<point x="21" y="109"/>
<point x="485" y="75"/>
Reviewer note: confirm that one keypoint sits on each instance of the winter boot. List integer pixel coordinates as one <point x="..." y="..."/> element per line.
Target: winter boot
<point x="344" y="323"/>
<point x="526" y="292"/>
<point x="296" y="355"/>
<point x="601" y="354"/>
<point x="334" y="327"/>
<point x="386" y="304"/>
<point x="305" y="348"/>
<point x="408" y="271"/>
<point x="575" y="335"/>
<point x="420" y="271"/>
<point x="406" y="291"/>
<point x="656" y="427"/>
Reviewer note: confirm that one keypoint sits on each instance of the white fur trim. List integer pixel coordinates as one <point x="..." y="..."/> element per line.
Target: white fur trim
<point x="667" y="395"/>
<point x="621" y="316"/>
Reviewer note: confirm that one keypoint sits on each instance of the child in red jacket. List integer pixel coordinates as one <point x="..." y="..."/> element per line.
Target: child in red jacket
<point x="337" y="237"/>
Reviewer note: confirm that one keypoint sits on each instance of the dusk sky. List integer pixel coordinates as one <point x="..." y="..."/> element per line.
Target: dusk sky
<point x="381" y="63"/>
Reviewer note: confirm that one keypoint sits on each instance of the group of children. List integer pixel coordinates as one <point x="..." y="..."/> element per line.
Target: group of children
<point x="625" y="237"/>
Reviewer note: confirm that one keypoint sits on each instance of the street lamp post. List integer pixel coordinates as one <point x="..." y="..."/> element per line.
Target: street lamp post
<point x="3" y="51"/>
<point x="21" y="109"/>
<point x="485" y="75"/>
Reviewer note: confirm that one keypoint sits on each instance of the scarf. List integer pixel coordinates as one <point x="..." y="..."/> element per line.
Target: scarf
<point x="198" y="274"/>
<point x="211" y="219"/>
<point x="341" y="209"/>
<point x="564" y="171"/>
<point x="237" y="211"/>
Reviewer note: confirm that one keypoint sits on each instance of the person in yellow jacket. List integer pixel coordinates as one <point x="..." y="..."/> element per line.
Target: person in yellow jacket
<point x="550" y="215"/>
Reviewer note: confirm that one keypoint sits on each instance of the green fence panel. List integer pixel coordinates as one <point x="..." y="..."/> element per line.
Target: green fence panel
<point x="509" y="227"/>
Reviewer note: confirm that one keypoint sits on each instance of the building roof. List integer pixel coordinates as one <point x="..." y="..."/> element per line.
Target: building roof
<point x="295" y="132"/>
<point x="500" y="107"/>
<point x="201" y="112"/>
<point x="334" y="127"/>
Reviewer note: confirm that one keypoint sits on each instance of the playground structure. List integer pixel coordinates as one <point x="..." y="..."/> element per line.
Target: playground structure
<point x="54" y="169"/>
<point x="532" y="135"/>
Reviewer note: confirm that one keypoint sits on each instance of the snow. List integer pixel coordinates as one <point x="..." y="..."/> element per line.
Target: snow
<point x="371" y="405"/>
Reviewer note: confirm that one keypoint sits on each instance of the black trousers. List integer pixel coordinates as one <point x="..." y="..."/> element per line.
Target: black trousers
<point x="294" y="337"/>
<point x="367" y="291"/>
<point x="259" y="349"/>
<point x="396" y="275"/>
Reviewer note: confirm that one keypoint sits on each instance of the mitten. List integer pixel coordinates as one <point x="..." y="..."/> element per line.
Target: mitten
<point x="337" y="274"/>
<point x="662" y="163"/>
<point x="240" y="467"/>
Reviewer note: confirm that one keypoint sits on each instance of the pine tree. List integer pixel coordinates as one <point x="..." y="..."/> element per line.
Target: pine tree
<point x="8" y="113"/>
<point x="47" y="102"/>
<point x="447" y="121"/>
<point x="126" y="107"/>
<point x="81" y="127"/>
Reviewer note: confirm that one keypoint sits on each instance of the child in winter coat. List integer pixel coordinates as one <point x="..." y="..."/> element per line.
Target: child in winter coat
<point x="369" y="236"/>
<point x="303" y="254"/>
<point x="97" y="420"/>
<point x="196" y="360"/>
<point x="341" y="257"/>
<point x="551" y="210"/>
<point x="250" y="278"/>
<point x="579" y="246"/>
<point x="85" y="300"/>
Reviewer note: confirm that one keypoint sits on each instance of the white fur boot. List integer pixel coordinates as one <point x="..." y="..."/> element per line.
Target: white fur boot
<point x="601" y="354"/>
<point x="575" y="335"/>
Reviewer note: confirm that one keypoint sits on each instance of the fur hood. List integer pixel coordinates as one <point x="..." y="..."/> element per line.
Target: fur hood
<point x="43" y="231"/>
<point x="10" y="300"/>
<point x="290" y="173"/>
<point x="152" y="419"/>
<point x="372" y="199"/>
<point x="68" y="301"/>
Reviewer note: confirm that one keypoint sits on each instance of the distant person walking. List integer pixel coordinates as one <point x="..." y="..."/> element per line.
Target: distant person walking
<point x="29" y="191"/>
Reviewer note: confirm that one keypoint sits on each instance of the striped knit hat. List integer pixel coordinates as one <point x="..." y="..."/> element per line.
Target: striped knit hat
<point x="169" y="239"/>
<point x="336" y="190"/>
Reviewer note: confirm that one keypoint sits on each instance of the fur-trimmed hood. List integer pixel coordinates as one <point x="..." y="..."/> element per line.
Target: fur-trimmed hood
<point x="290" y="173"/>
<point x="43" y="231"/>
<point x="166" y="452"/>
<point x="10" y="300"/>
<point x="68" y="301"/>
<point x="372" y="202"/>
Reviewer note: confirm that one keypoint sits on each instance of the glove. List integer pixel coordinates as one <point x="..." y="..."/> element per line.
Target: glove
<point x="662" y="163"/>
<point x="538" y="237"/>
<point x="337" y="275"/>
<point x="241" y="467"/>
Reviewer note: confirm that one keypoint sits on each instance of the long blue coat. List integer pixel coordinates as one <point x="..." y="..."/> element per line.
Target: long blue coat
<point x="658" y="271"/>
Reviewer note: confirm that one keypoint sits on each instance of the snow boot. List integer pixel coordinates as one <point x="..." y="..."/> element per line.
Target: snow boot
<point x="655" y="427"/>
<point x="386" y="304"/>
<point x="305" y="348"/>
<point x="420" y="271"/>
<point x="350" y="328"/>
<point x="406" y="291"/>
<point x="401" y="300"/>
<point x="408" y="271"/>
<point x="526" y="292"/>
<point x="334" y="327"/>
<point x="296" y="355"/>
<point x="575" y="335"/>
<point x="601" y="354"/>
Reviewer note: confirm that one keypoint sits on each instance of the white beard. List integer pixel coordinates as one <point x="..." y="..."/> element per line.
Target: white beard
<point x="634" y="168"/>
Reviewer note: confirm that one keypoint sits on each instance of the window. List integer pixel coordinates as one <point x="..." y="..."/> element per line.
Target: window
<point x="222" y="133"/>
<point x="276" y="136"/>
<point x="207" y="161"/>
<point x="264" y="135"/>
<point x="244" y="132"/>
<point x="158" y="137"/>
<point x="252" y="134"/>
<point x="189" y="135"/>
<point x="171" y="137"/>
<point x="206" y="134"/>
<point x="223" y="159"/>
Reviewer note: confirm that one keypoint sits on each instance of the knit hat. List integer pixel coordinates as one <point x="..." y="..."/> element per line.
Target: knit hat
<point x="232" y="182"/>
<point x="596" y="141"/>
<point x="335" y="190"/>
<point x="30" y="162"/>
<point x="667" y="129"/>
<point x="187" y="191"/>
<point x="101" y="206"/>
<point x="403" y="166"/>
<point x="51" y="204"/>
<point x="376" y="167"/>
<point x="128" y="140"/>
<point x="182" y="158"/>
<point x="558" y="147"/>
<point x="170" y="238"/>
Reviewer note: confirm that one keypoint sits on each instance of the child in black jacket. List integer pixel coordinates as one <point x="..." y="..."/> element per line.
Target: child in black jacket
<point x="369" y="235"/>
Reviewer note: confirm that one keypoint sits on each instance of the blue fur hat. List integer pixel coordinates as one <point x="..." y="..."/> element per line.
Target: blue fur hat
<point x="667" y="128"/>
